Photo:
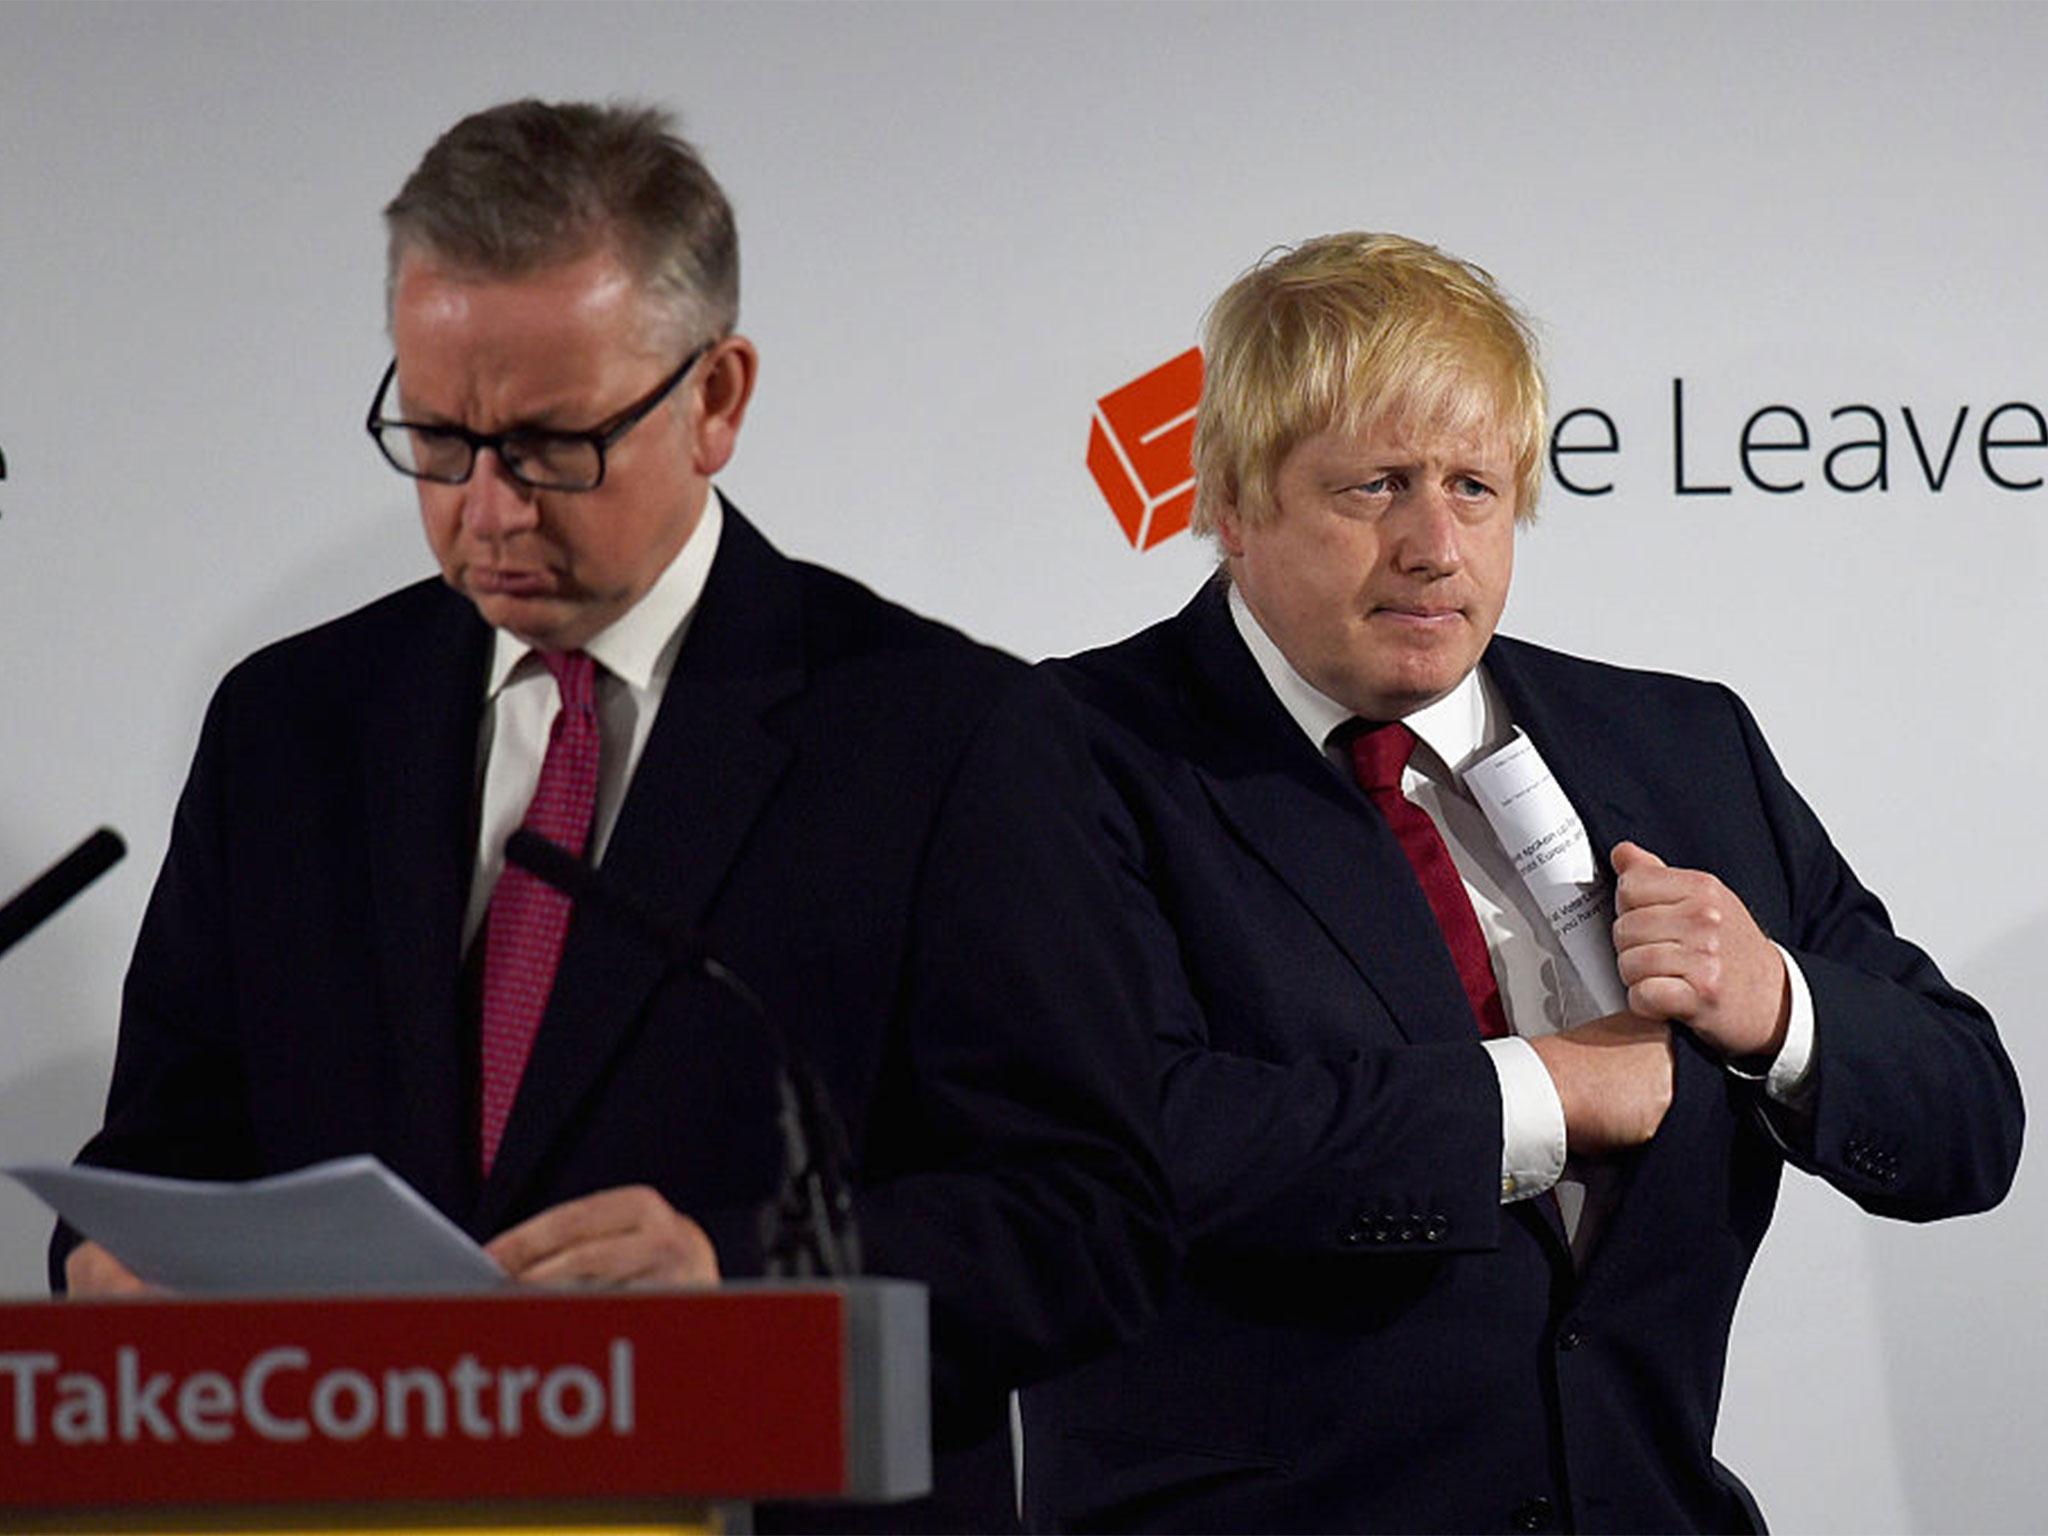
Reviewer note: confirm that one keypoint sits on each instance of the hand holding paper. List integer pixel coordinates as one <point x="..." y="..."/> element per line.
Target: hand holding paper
<point x="629" y="1237"/>
<point x="1689" y="951"/>
<point x="91" y="1273"/>
<point x="339" y="1226"/>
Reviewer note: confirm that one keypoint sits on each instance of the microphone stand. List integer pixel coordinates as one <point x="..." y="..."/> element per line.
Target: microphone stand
<point x="808" y="1231"/>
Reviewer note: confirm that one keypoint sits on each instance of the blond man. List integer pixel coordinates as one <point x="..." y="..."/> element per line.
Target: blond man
<point x="1492" y="989"/>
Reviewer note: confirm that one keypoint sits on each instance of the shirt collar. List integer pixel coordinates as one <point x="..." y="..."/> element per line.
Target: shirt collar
<point x="1464" y="724"/>
<point x="639" y="647"/>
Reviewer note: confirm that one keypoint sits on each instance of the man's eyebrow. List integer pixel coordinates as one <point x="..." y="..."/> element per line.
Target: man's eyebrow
<point x="409" y="410"/>
<point x="1350" y="462"/>
<point x="547" y="421"/>
<point x="550" y="419"/>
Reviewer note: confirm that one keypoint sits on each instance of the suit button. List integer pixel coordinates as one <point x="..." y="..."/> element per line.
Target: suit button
<point x="1533" y="1514"/>
<point x="1436" y="1230"/>
<point x="1570" y="1339"/>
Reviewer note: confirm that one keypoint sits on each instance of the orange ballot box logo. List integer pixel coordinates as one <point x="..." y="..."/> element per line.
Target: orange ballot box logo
<point x="1141" y="449"/>
<point x="731" y="1393"/>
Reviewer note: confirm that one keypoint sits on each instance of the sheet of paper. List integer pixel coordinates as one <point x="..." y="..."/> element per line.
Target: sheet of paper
<point x="1543" y="835"/>
<point x="350" y="1225"/>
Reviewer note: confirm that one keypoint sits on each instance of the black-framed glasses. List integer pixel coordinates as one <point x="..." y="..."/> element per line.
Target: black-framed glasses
<point x="535" y="456"/>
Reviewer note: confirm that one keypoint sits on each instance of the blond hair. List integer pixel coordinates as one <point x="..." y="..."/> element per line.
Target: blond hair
<point x="1344" y="330"/>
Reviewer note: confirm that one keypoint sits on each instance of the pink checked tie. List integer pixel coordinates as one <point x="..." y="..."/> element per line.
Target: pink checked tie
<point x="1378" y="755"/>
<point x="528" y="918"/>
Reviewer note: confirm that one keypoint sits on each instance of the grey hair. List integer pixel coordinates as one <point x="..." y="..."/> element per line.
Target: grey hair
<point x="528" y="185"/>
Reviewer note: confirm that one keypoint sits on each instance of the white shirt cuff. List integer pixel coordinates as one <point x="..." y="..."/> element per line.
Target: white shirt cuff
<point x="1531" y="1120"/>
<point x="1789" y="1079"/>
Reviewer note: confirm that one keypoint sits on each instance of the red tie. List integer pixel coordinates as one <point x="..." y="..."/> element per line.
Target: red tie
<point x="528" y="918"/>
<point x="1378" y="754"/>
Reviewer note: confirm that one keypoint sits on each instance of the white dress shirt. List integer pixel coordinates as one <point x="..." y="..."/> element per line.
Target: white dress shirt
<point x="634" y="656"/>
<point x="1540" y="989"/>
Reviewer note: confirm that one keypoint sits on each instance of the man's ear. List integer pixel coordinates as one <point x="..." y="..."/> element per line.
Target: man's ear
<point x="1230" y="529"/>
<point x="729" y="372"/>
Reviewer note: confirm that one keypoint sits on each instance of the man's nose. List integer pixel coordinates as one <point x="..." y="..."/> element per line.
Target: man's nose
<point x="1428" y="532"/>
<point x="494" y="504"/>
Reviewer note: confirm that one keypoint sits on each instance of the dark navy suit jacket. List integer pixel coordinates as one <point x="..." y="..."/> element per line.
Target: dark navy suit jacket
<point x="1363" y="1337"/>
<point x="890" y="832"/>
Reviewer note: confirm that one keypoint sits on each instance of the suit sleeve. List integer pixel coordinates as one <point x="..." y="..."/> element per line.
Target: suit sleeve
<point x="1332" y="1141"/>
<point x="1916" y="1109"/>
<point x="1031" y="1197"/>
<point x="176" y="1106"/>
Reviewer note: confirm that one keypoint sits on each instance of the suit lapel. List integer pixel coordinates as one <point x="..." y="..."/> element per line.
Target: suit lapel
<point x="1314" y="830"/>
<point x="419" y="774"/>
<point x="1317" y="833"/>
<point x="708" y="770"/>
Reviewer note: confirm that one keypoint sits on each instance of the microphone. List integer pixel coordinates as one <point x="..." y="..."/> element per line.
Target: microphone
<point x="809" y="1231"/>
<point x="42" y="896"/>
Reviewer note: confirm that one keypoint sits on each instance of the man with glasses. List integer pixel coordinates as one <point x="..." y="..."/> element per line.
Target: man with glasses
<point x="880" y="827"/>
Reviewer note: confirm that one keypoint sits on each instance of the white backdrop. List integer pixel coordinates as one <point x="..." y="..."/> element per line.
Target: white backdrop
<point x="963" y="224"/>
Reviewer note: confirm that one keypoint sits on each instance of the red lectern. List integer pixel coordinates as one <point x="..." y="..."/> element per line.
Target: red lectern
<point x="439" y="1412"/>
